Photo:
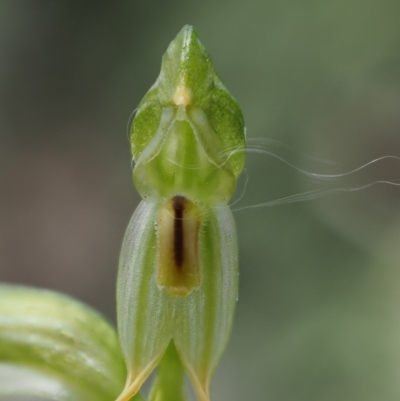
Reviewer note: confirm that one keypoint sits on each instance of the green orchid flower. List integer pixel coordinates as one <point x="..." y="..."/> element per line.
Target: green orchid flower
<point x="178" y="273"/>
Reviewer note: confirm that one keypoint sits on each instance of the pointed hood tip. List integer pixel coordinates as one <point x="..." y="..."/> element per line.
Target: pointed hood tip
<point x="189" y="31"/>
<point x="188" y="27"/>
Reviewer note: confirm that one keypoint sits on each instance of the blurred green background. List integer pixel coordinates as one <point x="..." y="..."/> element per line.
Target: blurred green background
<point x="318" y="317"/>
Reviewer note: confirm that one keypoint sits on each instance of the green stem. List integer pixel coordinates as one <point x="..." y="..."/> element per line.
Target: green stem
<point x="168" y="385"/>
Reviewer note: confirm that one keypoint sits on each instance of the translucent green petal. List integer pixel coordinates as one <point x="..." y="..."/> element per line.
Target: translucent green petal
<point x="203" y="320"/>
<point x="145" y="312"/>
<point x="56" y="347"/>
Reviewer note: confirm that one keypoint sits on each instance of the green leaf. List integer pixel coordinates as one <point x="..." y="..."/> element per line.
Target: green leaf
<point x="55" y="347"/>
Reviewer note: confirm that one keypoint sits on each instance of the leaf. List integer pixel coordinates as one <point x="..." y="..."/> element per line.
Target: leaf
<point x="55" y="347"/>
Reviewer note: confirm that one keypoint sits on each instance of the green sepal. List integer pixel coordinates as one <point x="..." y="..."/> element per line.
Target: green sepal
<point x="188" y="79"/>
<point x="204" y="319"/>
<point x="55" y="347"/>
<point x="149" y="317"/>
<point x="144" y="312"/>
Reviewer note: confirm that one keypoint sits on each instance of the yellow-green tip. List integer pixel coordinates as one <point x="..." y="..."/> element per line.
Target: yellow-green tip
<point x="187" y="73"/>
